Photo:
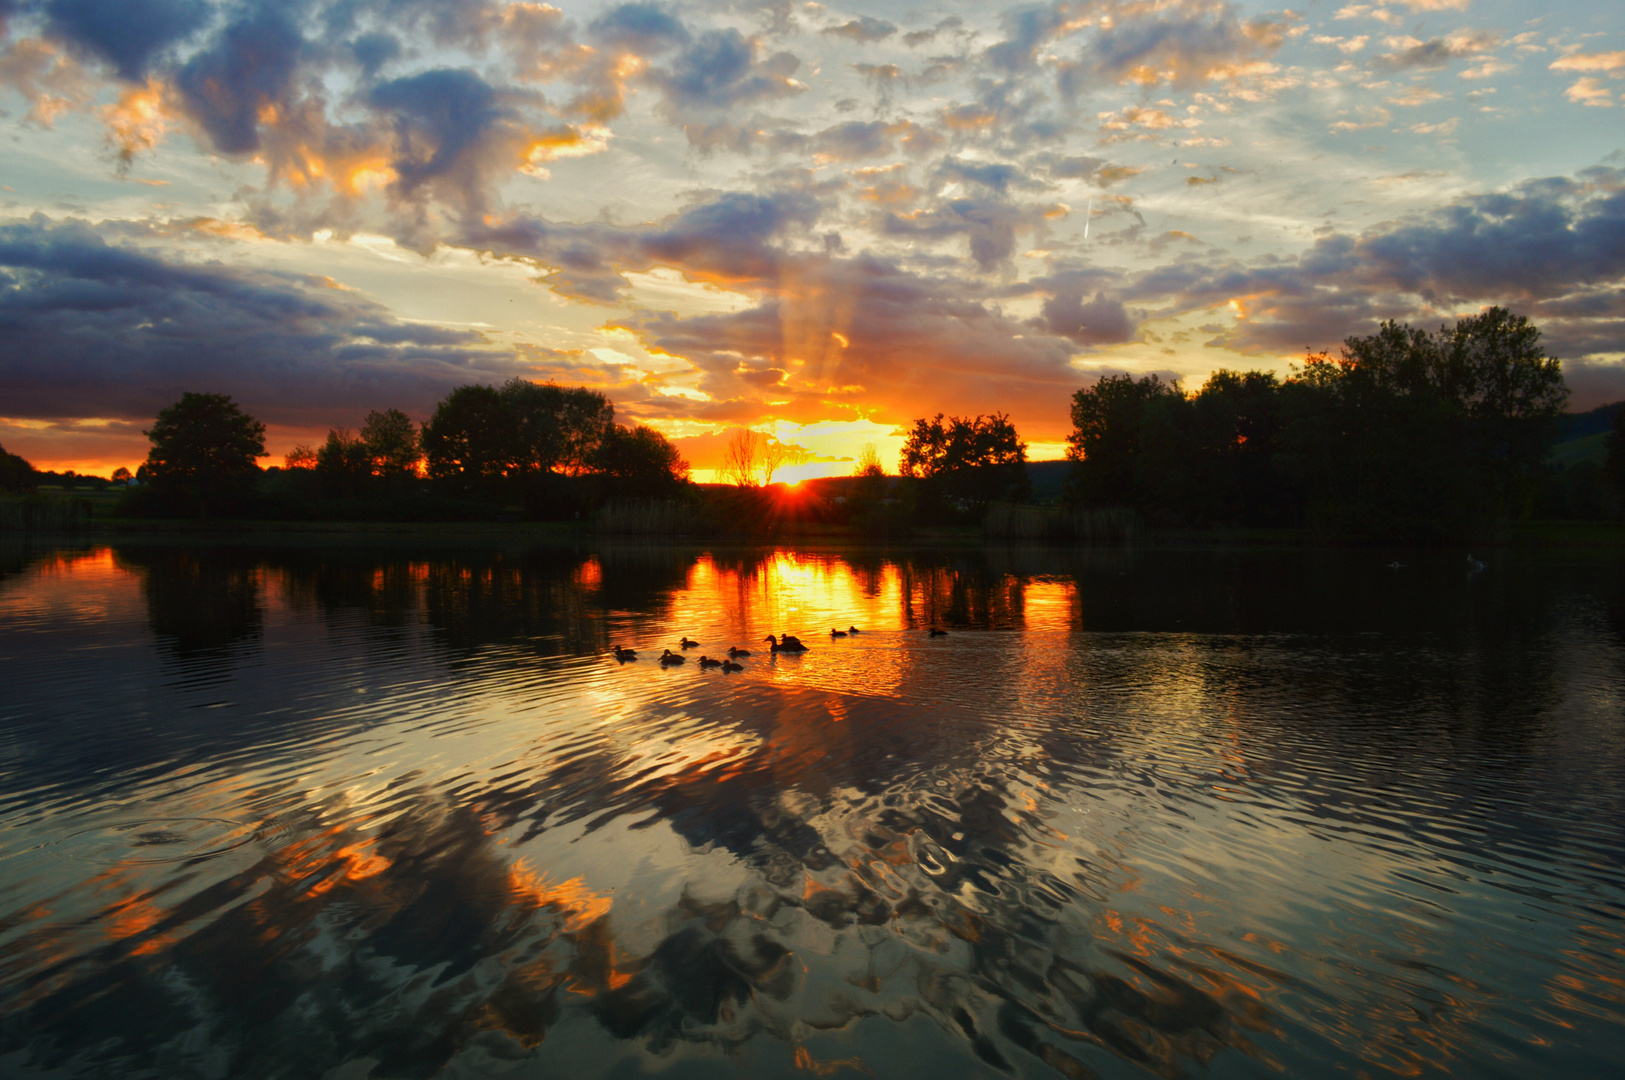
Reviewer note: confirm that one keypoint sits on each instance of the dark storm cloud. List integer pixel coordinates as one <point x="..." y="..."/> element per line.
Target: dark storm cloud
<point x="250" y="64"/>
<point x="720" y="70"/>
<point x="641" y="28"/>
<point x="94" y="329"/>
<point x="863" y="29"/>
<point x="128" y="34"/>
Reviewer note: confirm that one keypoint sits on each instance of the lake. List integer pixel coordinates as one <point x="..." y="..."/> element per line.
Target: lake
<point x="307" y="808"/>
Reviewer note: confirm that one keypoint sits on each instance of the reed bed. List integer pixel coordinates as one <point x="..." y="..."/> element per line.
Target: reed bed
<point x="39" y="513"/>
<point x="1061" y="525"/>
<point x="647" y="517"/>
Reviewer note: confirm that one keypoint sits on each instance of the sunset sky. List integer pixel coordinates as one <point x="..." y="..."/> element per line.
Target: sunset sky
<point x="820" y="220"/>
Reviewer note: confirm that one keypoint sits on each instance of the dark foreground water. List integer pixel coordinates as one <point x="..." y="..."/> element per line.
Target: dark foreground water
<point x="393" y="812"/>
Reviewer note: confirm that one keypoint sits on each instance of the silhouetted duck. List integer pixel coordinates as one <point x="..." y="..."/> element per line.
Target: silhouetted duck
<point x="938" y="633"/>
<point x="669" y="657"/>
<point x="786" y="643"/>
<point x="624" y="654"/>
<point x="687" y="643"/>
<point x="730" y="667"/>
<point x="1473" y="565"/>
<point x="836" y="633"/>
<point x="706" y="661"/>
<point x="853" y="630"/>
<point x="736" y="652"/>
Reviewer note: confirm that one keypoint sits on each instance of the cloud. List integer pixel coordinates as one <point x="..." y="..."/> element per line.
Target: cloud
<point x="1553" y="247"/>
<point x="249" y="66"/>
<point x="640" y="28"/>
<point x="1102" y="320"/>
<point x="863" y="29"/>
<point x="1589" y="91"/>
<point x="1435" y="53"/>
<point x="1184" y="47"/>
<point x="119" y="330"/>
<point x="1613" y="63"/>
<point x="720" y="70"/>
<point x="914" y="345"/>
<point x="127" y="34"/>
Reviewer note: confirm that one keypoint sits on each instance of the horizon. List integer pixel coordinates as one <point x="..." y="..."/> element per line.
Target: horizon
<point x="819" y="221"/>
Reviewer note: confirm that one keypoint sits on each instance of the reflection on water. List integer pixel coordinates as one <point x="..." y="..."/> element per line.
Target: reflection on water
<point x="349" y="812"/>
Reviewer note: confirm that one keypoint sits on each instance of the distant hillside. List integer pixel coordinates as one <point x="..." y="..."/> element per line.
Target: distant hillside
<point x="1597" y="421"/>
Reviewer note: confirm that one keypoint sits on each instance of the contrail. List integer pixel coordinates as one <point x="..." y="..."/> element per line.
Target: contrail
<point x="1086" y="214"/>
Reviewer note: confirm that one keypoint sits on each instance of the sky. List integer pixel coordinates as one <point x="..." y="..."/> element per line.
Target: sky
<point x="819" y="220"/>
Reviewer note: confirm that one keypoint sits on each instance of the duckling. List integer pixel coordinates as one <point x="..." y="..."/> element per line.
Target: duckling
<point x="786" y="643"/>
<point x="687" y="643"/>
<point x="624" y="654"/>
<point x="938" y="633"/>
<point x="836" y="633"/>
<point x="668" y="657"/>
<point x="736" y="653"/>
<point x="730" y="667"/>
<point x="706" y="661"/>
<point x="853" y="630"/>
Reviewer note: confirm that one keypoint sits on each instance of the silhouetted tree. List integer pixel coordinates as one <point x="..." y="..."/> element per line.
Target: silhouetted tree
<point x="121" y="475"/>
<point x="466" y="442"/>
<point x="204" y="447"/>
<point x="16" y="474"/>
<point x="1108" y="421"/>
<point x="391" y="441"/>
<point x="1614" y="464"/>
<point x="641" y="462"/>
<point x="967" y="462"/>
<point x="344" y="463"/>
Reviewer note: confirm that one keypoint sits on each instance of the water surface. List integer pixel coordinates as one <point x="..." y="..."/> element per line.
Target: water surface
<point x="350" y="811"/>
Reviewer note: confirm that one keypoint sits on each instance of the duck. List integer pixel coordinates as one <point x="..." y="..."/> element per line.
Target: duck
<point x="1396" y="565"/>
<point x="836" y="633"/>
<point x="624" y="654"/>
<point x="706" y="661"/>
<point x="786" y="643"/>
<point x="1473" y="565"/>
<point x="938" y="633"/>
<point x="669" y="657"/>
<point x="853" y="630"/>
<point x="687" y="643"/>
<point x="730" y="667"/>
<point x="736" y="652"/>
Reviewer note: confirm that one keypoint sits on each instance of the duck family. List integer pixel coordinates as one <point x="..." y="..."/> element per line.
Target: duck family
<point x="778" y="643"/>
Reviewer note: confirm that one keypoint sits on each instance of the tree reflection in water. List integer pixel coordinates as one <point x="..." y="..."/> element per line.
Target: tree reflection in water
<point x="855" y="862"/>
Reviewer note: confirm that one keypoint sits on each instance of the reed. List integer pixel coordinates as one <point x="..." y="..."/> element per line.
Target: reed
<point x="41" y="513"/>
<point x="646" y="517"/>
<point x="1061" y="525"/>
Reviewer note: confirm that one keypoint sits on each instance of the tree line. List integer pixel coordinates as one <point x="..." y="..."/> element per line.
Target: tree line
<point x="1406" y="434"/>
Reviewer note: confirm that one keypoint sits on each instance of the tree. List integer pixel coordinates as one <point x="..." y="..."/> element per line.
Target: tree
<point x="740" y="460"/>
<point x="204" y="446"/>
<point x="967" y="462"/>
<point x="1108" y="419"/>
<point x="641" y="461"/>
<point x="391" y="442"/>
<point x="344" y="463"/>
<point x="1614" y="466"/>
<point x="467" y="442"/>
<point x="555" y="428"/>
<point x="302" y="456"/>
<point x="121" y="475"/>
<point x="17" y="476"/>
